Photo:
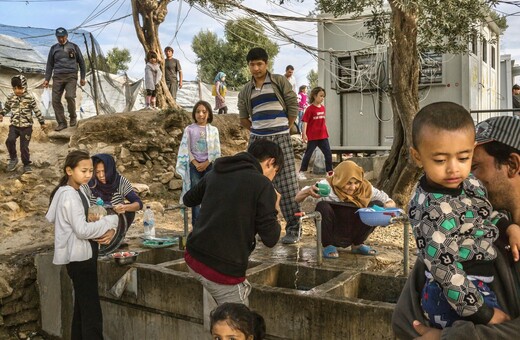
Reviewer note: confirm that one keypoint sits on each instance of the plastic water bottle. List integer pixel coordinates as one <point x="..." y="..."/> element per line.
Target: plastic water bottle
<point x="149" y="223"/>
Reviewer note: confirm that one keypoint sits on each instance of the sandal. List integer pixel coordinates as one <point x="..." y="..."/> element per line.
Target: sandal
<point x="363" y="250"/>
<point x="330" y="252"/>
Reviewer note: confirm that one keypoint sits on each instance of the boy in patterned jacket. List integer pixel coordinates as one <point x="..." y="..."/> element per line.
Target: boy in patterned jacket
<point x="453" y="222"/>
<point x="21" y="104"/>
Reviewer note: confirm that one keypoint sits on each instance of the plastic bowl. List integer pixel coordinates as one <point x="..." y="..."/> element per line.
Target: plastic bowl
<point x="375" y="218"/>
<point x="124" y="257"/>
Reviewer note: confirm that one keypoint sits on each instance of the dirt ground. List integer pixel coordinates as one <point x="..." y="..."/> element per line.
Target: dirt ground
<point x="24" y="197"/>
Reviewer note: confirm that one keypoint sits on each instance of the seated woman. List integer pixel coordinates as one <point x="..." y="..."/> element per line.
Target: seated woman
<point x="113" y="188"/>
<point x="340" y="226"/>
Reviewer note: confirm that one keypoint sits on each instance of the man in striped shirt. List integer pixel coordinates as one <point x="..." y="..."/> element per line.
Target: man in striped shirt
<point x="268" y="107"/>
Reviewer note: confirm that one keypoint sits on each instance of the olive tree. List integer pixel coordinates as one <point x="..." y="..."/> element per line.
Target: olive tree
<point x="410" y="27"/>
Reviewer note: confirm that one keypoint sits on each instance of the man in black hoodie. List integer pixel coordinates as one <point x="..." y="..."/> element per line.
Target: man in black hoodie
<point x="238" y="201"/>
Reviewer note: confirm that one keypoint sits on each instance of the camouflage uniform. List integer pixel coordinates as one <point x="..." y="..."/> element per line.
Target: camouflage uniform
<point x="21" y="108"/>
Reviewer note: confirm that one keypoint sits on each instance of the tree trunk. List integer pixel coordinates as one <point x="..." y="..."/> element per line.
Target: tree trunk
<point x="399" y="172"/>
<point x="148" y="15"/>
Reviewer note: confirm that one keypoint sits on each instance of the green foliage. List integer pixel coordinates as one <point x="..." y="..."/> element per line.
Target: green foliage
<point x="99" y="62"/>
<point x="229" y="55"/>
<point x="312" y="78"/>
<point x="500" y="20"/>
<point x="118" y="59"/>
<point x="442" y="25"/>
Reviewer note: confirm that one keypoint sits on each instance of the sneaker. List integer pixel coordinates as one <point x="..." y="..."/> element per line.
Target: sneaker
<point x="12" y="164"/>
<point x="291" y="237"/>
<point x="73" y="121"/>
<point x="60" y="127"/>
<point x="27" y="169"/>
<point x="301" y="176"/>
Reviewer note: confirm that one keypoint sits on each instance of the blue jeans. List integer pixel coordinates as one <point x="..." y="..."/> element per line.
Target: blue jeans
<point x="437" y="309"/>
<point x="195" y="177"/>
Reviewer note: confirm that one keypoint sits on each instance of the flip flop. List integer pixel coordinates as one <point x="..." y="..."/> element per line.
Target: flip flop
<point x="363" y="250"/>
<point x="328" y="252"/>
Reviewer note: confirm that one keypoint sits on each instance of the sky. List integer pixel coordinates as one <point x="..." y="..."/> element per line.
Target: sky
<point x="187" y="22"/>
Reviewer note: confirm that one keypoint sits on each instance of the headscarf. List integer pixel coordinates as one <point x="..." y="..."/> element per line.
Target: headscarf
<point x="343" y="173"/>
<point x="112" y="177"/>
<point x="219" y="77"/>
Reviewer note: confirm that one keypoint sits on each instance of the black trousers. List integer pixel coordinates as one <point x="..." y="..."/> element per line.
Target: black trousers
<point x="24" y="133"/>
<point x="65" y="82"/>
<point x="87" y="321"/>
<point x="341" y="226"/>
<point x="324" y="146"/>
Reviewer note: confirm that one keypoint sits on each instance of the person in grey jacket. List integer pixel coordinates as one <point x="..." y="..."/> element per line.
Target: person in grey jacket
<point x="496" y="163"/>
<point x="268" y="107"/>
<point x="62" y="64"/>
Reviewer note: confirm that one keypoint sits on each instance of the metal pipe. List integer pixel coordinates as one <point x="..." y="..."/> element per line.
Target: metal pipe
<point x="182" y="208"/>
<point x="317" y="220"/>
<point x="403" y="218"/>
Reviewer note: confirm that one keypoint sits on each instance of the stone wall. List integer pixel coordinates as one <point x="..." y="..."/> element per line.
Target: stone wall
<point x="19" y="298"/>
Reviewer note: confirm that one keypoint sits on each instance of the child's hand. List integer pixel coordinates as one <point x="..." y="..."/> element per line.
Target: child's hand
<point x="513" y="233"/>
<point x="498" y="317"/>
<point x="107" y="237"/>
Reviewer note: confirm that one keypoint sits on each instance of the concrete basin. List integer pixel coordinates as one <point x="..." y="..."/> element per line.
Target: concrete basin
<point x="283" y="275"/>
<point x="370" y="286"/>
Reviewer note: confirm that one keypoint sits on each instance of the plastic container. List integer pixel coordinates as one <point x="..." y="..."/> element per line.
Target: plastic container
<point x="149" y="223"/>
<point x="378" y="216"/>
<point x="97" y="210"/>
<point x="323" y="189"/>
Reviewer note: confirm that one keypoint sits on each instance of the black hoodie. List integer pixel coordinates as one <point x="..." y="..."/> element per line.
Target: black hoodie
<point x="238" y="202"/>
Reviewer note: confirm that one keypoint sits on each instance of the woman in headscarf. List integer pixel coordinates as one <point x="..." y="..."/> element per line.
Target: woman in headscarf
<point x="114" y="189"/>
<point x="220" y="93"/>
<point x="340" y="226"/>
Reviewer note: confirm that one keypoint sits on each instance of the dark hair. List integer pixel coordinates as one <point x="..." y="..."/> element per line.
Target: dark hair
<point x="257" y="53"/>
<point x="72" y="161"/>
<point x="208" y="108"/>
<point x="239" y="317"/>
<point x="516" y="87"/>
<point x="168" y="48"/>
<point x="500" y="152"/>
<point x="441" y="115"/>
<point x="263" y="149"/>
<point x="315" y="92"/>
<point x="150" y="55"/>
<point x="303" y="87"/>
<point x="289" y="67"/>
<point x="16" y="81"/>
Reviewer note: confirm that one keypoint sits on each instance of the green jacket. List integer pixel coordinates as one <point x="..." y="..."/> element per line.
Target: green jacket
<point x="283" y="90"/>
<point x="22" y="109"/>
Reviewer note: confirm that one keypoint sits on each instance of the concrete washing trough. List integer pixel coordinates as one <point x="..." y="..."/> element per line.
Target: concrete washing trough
<point x="156" y="298"/>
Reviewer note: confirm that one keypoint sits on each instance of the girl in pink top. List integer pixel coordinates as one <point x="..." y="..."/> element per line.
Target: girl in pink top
<point x="302" y="105"/>
<point x="314" y="132"/>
